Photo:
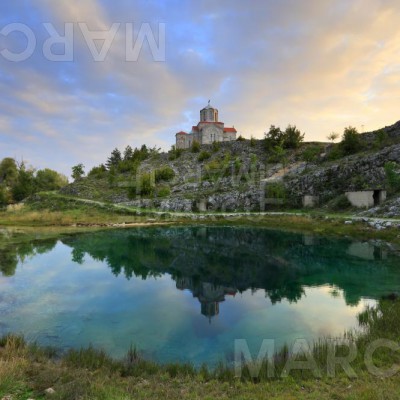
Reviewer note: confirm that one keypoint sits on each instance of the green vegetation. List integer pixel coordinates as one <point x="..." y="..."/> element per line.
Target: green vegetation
<point x="174" y="153"/>
<point x="204" y="155"/>
<point x="195" y="147"/>
<point x="27" y="370"/>
<point x="351" y="142"/>
<point x="291" y="138"/>
<point x="78" y="172"/>
<point x="311" y="153"/>
<point x="165" y="174"/>
<point x="18" y="182"/>
<point x="392" y="171"/>
<point x="240" y="138"/>
<point x="216" y="146"/>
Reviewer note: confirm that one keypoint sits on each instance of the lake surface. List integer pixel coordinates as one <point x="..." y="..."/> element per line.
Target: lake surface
<point x="186" y="294"/>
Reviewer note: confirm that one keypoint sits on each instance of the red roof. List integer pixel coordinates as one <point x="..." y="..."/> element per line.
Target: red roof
<point x="181" y="133"/>
<point x="195" y="128"/>
<point x="230" y="130"/>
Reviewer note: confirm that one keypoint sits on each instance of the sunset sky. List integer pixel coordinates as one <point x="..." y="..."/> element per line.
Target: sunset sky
<point x="319" y="64"/>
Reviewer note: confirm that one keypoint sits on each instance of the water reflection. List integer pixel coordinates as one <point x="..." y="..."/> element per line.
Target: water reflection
<point x="161" y="287"/>
<point x="216" y="262"/>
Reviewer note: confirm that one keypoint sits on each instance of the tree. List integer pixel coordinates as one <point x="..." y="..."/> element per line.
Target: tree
<point x="128" y="153"/>
<point x="292" y="137"/>
<point x="25" y="184"/>
<point x="114" y="159"/>
<point x="8" y="171"/>
<point x="47" y="179"/>
<point x="332" y="136"/>
<point x="351" y="142"/>
<point x="273" y="138"/>
<point x="3" y="196"/>
<point x="78" y="171"/>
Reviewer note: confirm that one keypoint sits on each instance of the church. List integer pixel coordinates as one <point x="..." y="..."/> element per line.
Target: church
<point x="207" y="131"/>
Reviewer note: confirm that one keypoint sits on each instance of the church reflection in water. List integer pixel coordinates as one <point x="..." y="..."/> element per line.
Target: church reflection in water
<point x="209" y="295"/>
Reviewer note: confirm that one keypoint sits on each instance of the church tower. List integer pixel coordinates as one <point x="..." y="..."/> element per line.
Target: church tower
<point x="209" y="114"/>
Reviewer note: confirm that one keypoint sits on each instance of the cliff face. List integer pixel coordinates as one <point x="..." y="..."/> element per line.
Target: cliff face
<point x="243" y="176"/>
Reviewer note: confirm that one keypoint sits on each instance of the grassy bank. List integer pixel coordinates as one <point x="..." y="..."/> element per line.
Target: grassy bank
<point x="54" y="210"/>
<point x="26" y="371"/>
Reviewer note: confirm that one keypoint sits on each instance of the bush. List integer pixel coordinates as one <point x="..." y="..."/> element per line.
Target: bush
<point x="240" y="138"/>
<point x="204" y="155"/>
<point x="351" y="142"/>
<point x="175" y="153"/>
<point x="216" y="146"/>
<point x="311" y="153"/>
<point x="292" y="137"/>
<point x="98" y="172"/>
<point x="392" y="171"/>
<point x="381" y="139"/>
<point x="195" y="147"/>
<point x="340" y="203"/>
<point x="144" y="187"/>
<point x="163" y="191"/>
<point x="164" y="174"/>
<point x="276" y="191"/>
<point x="253" y="141"/>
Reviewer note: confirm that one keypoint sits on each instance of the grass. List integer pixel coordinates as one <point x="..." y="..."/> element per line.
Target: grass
<point x="54" y="210"/>
<point x="27" y="370"/>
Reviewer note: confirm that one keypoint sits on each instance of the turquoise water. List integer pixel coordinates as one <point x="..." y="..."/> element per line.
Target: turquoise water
<point x="186" y="294"/>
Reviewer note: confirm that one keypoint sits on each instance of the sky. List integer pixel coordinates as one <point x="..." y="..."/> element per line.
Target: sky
<point x="321" y="65"/>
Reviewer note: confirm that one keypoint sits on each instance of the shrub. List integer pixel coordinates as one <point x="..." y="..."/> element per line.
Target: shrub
<point x="381" y="139"/>
<point x="143" y="187"/>
<point x="164" y="174"/>
<point x="195" y="147"/>
<point x="163" y="191"/>
<point x="292" y="137"/>
<point x="311" y="153"/>
<point x="253" y="141"/>
<point x="216" y="146"/>
<point x="98" y="172"/>
<point x="204" y="155"/>
<point x="340" y="203"/>
<point x="276" y="191"/>
<point x="273" y="138"/>
<point x="351" y="142"/>
<point x="392" y="171"/>
<point x="175" y="153"/>
<point x="240" y="138"/>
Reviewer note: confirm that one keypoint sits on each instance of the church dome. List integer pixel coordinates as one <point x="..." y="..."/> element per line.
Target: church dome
<point x="209" y="114"/>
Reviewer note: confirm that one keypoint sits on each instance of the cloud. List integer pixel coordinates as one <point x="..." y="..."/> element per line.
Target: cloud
<point x="321" y="65"/>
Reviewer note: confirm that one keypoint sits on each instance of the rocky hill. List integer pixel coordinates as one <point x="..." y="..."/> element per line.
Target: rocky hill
<point x="244" y="176"/>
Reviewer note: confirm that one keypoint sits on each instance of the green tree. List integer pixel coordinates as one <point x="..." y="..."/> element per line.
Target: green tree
<point x="4" y="200"/>
<point x="25" y="184"/>
<point x="47" y="179"/>
<point x="273" y="138"/>
<point x="128" y="153"/>
<point x="8" y="171"/>
<point x="78" y="171"/>
<point x="98" y="172"/>
<point x="292" y="137"/>
<point x="351" y="142"/>
<point x="114" y="159"/>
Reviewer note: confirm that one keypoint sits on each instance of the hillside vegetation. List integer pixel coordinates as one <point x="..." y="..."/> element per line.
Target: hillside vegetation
<point x="247" y="175"/>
